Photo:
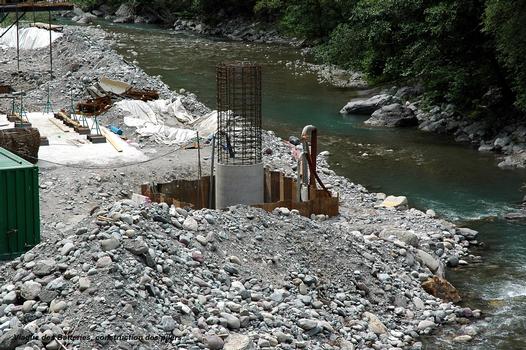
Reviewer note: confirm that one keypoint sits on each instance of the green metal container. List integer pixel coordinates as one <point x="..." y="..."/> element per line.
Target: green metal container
<point x="19" y="206"/>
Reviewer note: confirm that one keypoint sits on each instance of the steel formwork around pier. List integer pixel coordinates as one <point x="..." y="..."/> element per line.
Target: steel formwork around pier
<point x="239" y="106"/>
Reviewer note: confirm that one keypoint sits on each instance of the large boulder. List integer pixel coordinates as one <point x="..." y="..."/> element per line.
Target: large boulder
<point x="30" y="290"/>
<point x="431" y="262"/>
<point x="87" y="18"/>
<point x="375" y="325"/>
<point x="124" y="14"/>
<point x="395" y="202"/>
<point x="14" y="338"/>
<point x="516" y="160"/>
<point x="368" y="106"/>
<point x="393" y="115"/>
<point x="408" y="237"/>
<point x="238" y="342"/>
<point x="441" y="288"/>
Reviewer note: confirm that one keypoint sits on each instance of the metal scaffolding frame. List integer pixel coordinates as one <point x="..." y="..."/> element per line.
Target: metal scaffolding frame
<point x="20" y="8"/>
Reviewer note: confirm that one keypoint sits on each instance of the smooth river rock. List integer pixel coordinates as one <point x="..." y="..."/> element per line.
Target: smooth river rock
<point x="393" y="115"/>
<point x="367" y="106"/>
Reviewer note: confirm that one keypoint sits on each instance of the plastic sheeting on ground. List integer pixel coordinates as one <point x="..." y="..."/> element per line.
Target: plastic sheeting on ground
<point x="30" y="38"/>
<point x="158" y="120"/>
<point x="70" y="148"/>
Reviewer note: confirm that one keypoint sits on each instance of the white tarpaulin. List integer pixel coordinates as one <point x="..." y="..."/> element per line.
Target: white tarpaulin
<point x="30" y="38"/>
<point x="159" y="119"/>
<point x="158" y="111"/>
<point x="207" y="124"/>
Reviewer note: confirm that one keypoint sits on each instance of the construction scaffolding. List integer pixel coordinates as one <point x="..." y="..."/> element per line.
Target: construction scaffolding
<point x="20" y="9"/>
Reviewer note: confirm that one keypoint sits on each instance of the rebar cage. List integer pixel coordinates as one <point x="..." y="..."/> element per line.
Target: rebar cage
<point x="239" y="113"/>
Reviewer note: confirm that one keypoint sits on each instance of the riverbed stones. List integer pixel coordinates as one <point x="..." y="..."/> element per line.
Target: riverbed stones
<point x="168" y="323"/>
<point x="462" y="339"/>
<point x="214" y="342"/>
<point x="136" y="246"/>
<point x="44" y="267"/>
<point x="232" y="321"/>
<point x="109" y="244"/>
<point x="30" y="290"/>
<point x="190" y="224"/>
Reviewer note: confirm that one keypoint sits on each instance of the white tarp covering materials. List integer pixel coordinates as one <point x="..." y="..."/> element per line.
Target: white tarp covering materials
<point x="157" y="119"/>
<point x="4" y="123"/>
<point x="30" y="38"/>
<point x="70" y="148"/>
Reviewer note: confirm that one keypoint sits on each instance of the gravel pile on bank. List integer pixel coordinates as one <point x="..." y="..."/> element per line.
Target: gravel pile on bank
<point x="145" y="276"/>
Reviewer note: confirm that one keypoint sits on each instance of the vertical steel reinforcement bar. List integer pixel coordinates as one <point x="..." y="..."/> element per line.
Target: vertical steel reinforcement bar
<point x="239" y="106"/>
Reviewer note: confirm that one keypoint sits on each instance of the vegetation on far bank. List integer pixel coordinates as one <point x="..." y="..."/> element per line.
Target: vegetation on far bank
<point x="467" y="52"/>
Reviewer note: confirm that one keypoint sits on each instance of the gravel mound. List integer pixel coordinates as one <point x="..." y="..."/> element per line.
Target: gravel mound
<point x="129" y="276"/>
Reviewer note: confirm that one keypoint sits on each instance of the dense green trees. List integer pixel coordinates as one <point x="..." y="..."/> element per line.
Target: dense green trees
<point x="506" y="21"/>
<point x="468" y="52"/>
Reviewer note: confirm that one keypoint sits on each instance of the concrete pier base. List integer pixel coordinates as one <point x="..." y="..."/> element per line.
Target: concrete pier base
<point x="239" y="184"/>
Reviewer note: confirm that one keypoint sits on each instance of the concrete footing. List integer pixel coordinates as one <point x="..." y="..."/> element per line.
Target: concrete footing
<point x="239" y="184"/>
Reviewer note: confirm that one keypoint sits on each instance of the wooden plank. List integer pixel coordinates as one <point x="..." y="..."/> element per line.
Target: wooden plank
<point x="68" y="121"/>
<point x="59" y="125"/>
<point x="111" y="138"/>
<point x="54" y="27"/>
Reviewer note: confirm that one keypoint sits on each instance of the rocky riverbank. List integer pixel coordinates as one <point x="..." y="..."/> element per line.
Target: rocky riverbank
<point x="114" y="273"/>
<point x="235" y="29"/>
<point x="400" y="108"/>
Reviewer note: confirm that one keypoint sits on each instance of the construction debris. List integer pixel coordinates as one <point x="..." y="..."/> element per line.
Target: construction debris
<point x="6" y="89"/>
<point x="115" y="88"/>
<point x="143" y="95"/>
<point x="94" y="106"/>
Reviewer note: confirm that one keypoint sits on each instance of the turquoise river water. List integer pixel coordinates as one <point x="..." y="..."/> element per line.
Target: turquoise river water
<point x="455" y="180"/>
